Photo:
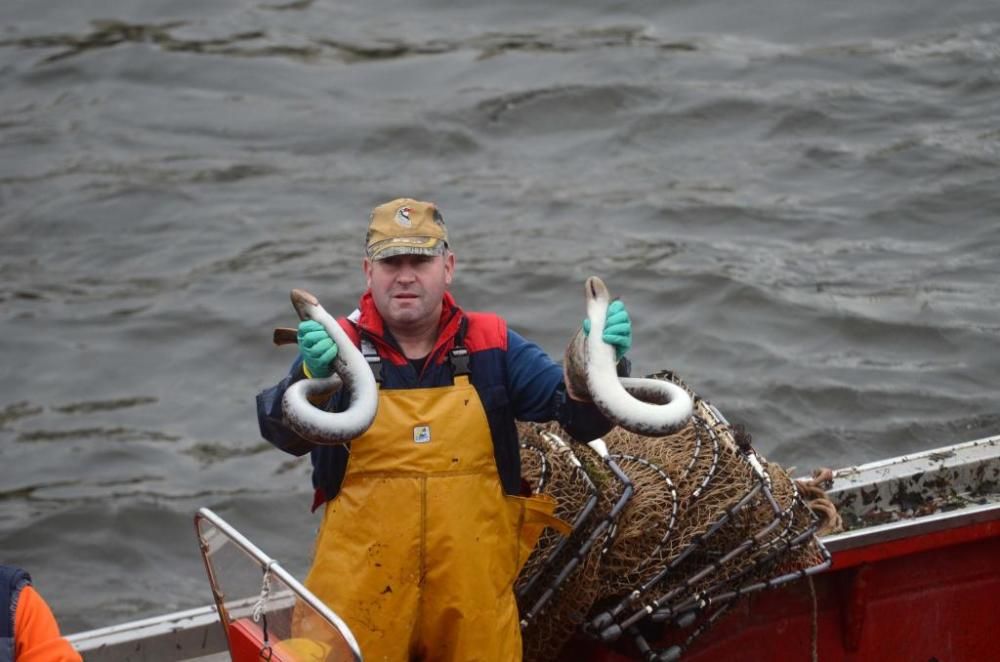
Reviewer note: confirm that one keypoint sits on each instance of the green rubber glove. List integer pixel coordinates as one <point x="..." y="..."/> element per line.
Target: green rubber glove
<point x="617" y="328"/>
<point x="317" y="349"/>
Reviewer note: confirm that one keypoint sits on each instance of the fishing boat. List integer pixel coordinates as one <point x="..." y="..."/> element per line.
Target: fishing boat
<point x="915" y="575"/>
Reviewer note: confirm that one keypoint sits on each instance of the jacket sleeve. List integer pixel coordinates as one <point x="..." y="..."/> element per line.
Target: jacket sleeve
<point x="538" y="392"/>
<point x="36" y="632"/>
<point x="271" y="420"/>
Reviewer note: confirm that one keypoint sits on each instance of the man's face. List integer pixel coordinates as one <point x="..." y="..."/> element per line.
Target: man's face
<point x="408" y="289"/>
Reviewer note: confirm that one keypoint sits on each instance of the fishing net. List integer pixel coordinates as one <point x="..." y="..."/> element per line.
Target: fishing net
<point x="706" y="521"/>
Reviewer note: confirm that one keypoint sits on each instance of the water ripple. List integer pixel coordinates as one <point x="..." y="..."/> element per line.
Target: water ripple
<point x="17" y="411"/>
<point x="257" y="43"/>
<point x="120" y="434"/>
<point x="88" y="407"/>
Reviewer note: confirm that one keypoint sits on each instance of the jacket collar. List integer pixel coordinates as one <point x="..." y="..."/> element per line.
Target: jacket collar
<point x="371" y="324"/>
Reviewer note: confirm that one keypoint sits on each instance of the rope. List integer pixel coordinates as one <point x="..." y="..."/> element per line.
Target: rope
<point x="265" y="592"/>
<point x="814" y="494"/>
<point x="266" y="652"/>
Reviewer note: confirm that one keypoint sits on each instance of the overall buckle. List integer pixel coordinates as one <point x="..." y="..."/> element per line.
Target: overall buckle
<point x="459" y="359"/>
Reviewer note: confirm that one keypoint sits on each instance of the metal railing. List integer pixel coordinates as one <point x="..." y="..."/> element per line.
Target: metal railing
<point x="214" y="533"/>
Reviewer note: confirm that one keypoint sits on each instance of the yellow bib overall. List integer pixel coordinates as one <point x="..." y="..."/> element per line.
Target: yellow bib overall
<point x="419" y="550"/>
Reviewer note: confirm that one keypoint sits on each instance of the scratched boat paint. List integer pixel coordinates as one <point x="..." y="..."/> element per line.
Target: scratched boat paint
<point x="796" y="201"/>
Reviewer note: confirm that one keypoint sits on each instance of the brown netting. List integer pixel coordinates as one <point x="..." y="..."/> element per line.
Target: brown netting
<point x="560" y="581"/>
<point x="550" y="467"/>
<point x="709" y="519"/>
<point x="643" y="532"/>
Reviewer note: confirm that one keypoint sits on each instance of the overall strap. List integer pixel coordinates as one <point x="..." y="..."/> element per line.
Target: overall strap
<point x="364" y="343"/>
<point x="374" y="360"/>
<point x="458" y="356"/>
<point x="12" y="580"/>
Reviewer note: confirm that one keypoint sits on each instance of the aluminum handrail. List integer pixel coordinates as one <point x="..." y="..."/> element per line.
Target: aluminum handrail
<point x="275" y="568"/>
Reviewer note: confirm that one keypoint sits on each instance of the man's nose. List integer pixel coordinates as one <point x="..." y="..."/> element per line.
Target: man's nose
<point x="406" y="274"/>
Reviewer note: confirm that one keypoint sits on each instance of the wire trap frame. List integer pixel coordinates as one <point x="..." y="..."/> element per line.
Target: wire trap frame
<point x="709" y="521"/>
<point x="561" y="579"/>
<point x="743" y="527"/>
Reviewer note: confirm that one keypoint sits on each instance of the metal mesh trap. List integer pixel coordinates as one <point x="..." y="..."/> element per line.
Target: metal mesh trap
<point x="694" y="521"/>
<point x="561" y="579"/>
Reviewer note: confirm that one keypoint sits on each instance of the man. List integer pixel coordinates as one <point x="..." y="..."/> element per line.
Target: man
<point x="28" y="630"/>
<point x="424" y="530"/>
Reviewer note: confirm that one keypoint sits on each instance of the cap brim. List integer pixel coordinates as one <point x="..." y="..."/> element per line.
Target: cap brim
<point x="406" y="246"/>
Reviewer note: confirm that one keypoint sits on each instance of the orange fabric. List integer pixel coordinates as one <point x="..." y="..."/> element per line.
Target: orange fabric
<point x="36" y="633"/>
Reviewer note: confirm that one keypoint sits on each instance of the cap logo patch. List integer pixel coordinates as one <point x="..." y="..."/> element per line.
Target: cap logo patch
<point x="403" y="216"/>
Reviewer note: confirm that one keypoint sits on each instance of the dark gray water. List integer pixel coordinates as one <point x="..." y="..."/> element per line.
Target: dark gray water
<point x="798" y="201"/>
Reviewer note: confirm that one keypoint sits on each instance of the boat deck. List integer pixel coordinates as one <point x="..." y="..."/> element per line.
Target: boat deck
<point x="918" y="508"/>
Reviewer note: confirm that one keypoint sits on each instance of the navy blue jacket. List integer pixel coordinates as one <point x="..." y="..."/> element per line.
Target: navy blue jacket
<point x="12" y="580"/>
<point x="514" y="378"/>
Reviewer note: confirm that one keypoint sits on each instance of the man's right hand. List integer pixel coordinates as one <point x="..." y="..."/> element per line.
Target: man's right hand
<point x="317" y="348"/>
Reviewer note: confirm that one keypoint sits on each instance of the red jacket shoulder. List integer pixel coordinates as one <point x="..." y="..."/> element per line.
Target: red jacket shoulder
<point x="485" y="331"/>
<point x="351" y="329"/>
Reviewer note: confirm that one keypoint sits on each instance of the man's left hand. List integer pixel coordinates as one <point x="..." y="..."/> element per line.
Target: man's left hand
<point x="617" y="328"/>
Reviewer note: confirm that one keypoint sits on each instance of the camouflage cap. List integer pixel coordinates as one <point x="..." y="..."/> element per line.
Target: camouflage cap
<point x="405" y="227"/>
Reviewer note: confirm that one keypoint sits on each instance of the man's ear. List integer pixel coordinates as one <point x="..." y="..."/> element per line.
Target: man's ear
<point x="449" y="267"/>
<point x="366" y="264"/>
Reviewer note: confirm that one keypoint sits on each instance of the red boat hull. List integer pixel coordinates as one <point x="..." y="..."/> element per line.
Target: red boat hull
<point x="931" y="597"/>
